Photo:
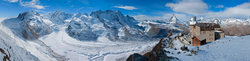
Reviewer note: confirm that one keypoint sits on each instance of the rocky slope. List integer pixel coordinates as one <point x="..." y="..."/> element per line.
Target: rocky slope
<point x="32" y="25"/>
<point x="116" y="23"/>
<point x="81" y="31"/>
<point x="59" y="17"/>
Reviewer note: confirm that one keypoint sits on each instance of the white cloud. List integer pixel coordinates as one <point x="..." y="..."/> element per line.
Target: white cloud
<point x="219" y="6"/>
<point x="80" y="8"/>
<point x="32" y="4"/>
<point x="12" y="1"/>
<point x="5" y="4"/>
<point x="126" y="7"/>
<point x="239" y="11"/>
<point x="199" y="8"/>
<point x="195" y="7"/>
<point x="167" y="16"/>
<point x="38" y="10"/>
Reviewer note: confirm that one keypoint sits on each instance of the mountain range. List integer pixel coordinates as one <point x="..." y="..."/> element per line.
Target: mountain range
<point x="64" y="36"/>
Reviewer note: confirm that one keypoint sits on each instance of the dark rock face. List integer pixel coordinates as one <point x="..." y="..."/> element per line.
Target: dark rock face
<point x="137" y="57"/>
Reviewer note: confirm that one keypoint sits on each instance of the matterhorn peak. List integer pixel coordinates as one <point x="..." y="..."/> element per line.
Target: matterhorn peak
<point x="173" y="19"/>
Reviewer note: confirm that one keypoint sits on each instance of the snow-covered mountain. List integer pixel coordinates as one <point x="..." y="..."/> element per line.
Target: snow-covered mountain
<point x="59" y="17"/>
<point x="32" y="25"/>
<point x="216" y="20"/>
<point x="60" y="36"/>
<point x="225" y="22"/>
<point x="101" y="36"/>
<point x="12" y="52"/>
<point x="161" y="28"/>
<point x="173" y="19"/>
<point x="14" y="46"/>
<point x="81" y="31"/>
<point x="116" y="24"/>
<point x="212" y="20"/>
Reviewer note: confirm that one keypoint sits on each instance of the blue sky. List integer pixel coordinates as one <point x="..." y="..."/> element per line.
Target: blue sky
<point x="139" y="9"/>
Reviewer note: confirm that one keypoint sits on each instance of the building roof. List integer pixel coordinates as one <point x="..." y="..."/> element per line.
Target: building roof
<point x="201" y="37"/>
<point x="207" y="25"/>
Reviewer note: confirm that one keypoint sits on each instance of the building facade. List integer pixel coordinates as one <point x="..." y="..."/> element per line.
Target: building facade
<point x="207" y="29"/>
<point x="199" y="40"/>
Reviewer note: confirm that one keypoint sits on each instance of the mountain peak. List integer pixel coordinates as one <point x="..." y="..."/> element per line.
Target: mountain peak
<point x="59" y="16"/>
<point x="27" y="14"/>
<point x="85" y="14"/>
<point x="173" y="19"/>
<point x="117" y="12"/>
<point x="77" y="15"/>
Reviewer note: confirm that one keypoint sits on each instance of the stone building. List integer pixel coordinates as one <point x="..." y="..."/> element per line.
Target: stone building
<point x="207" y="29"/>
<point x="200" y="33"/>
